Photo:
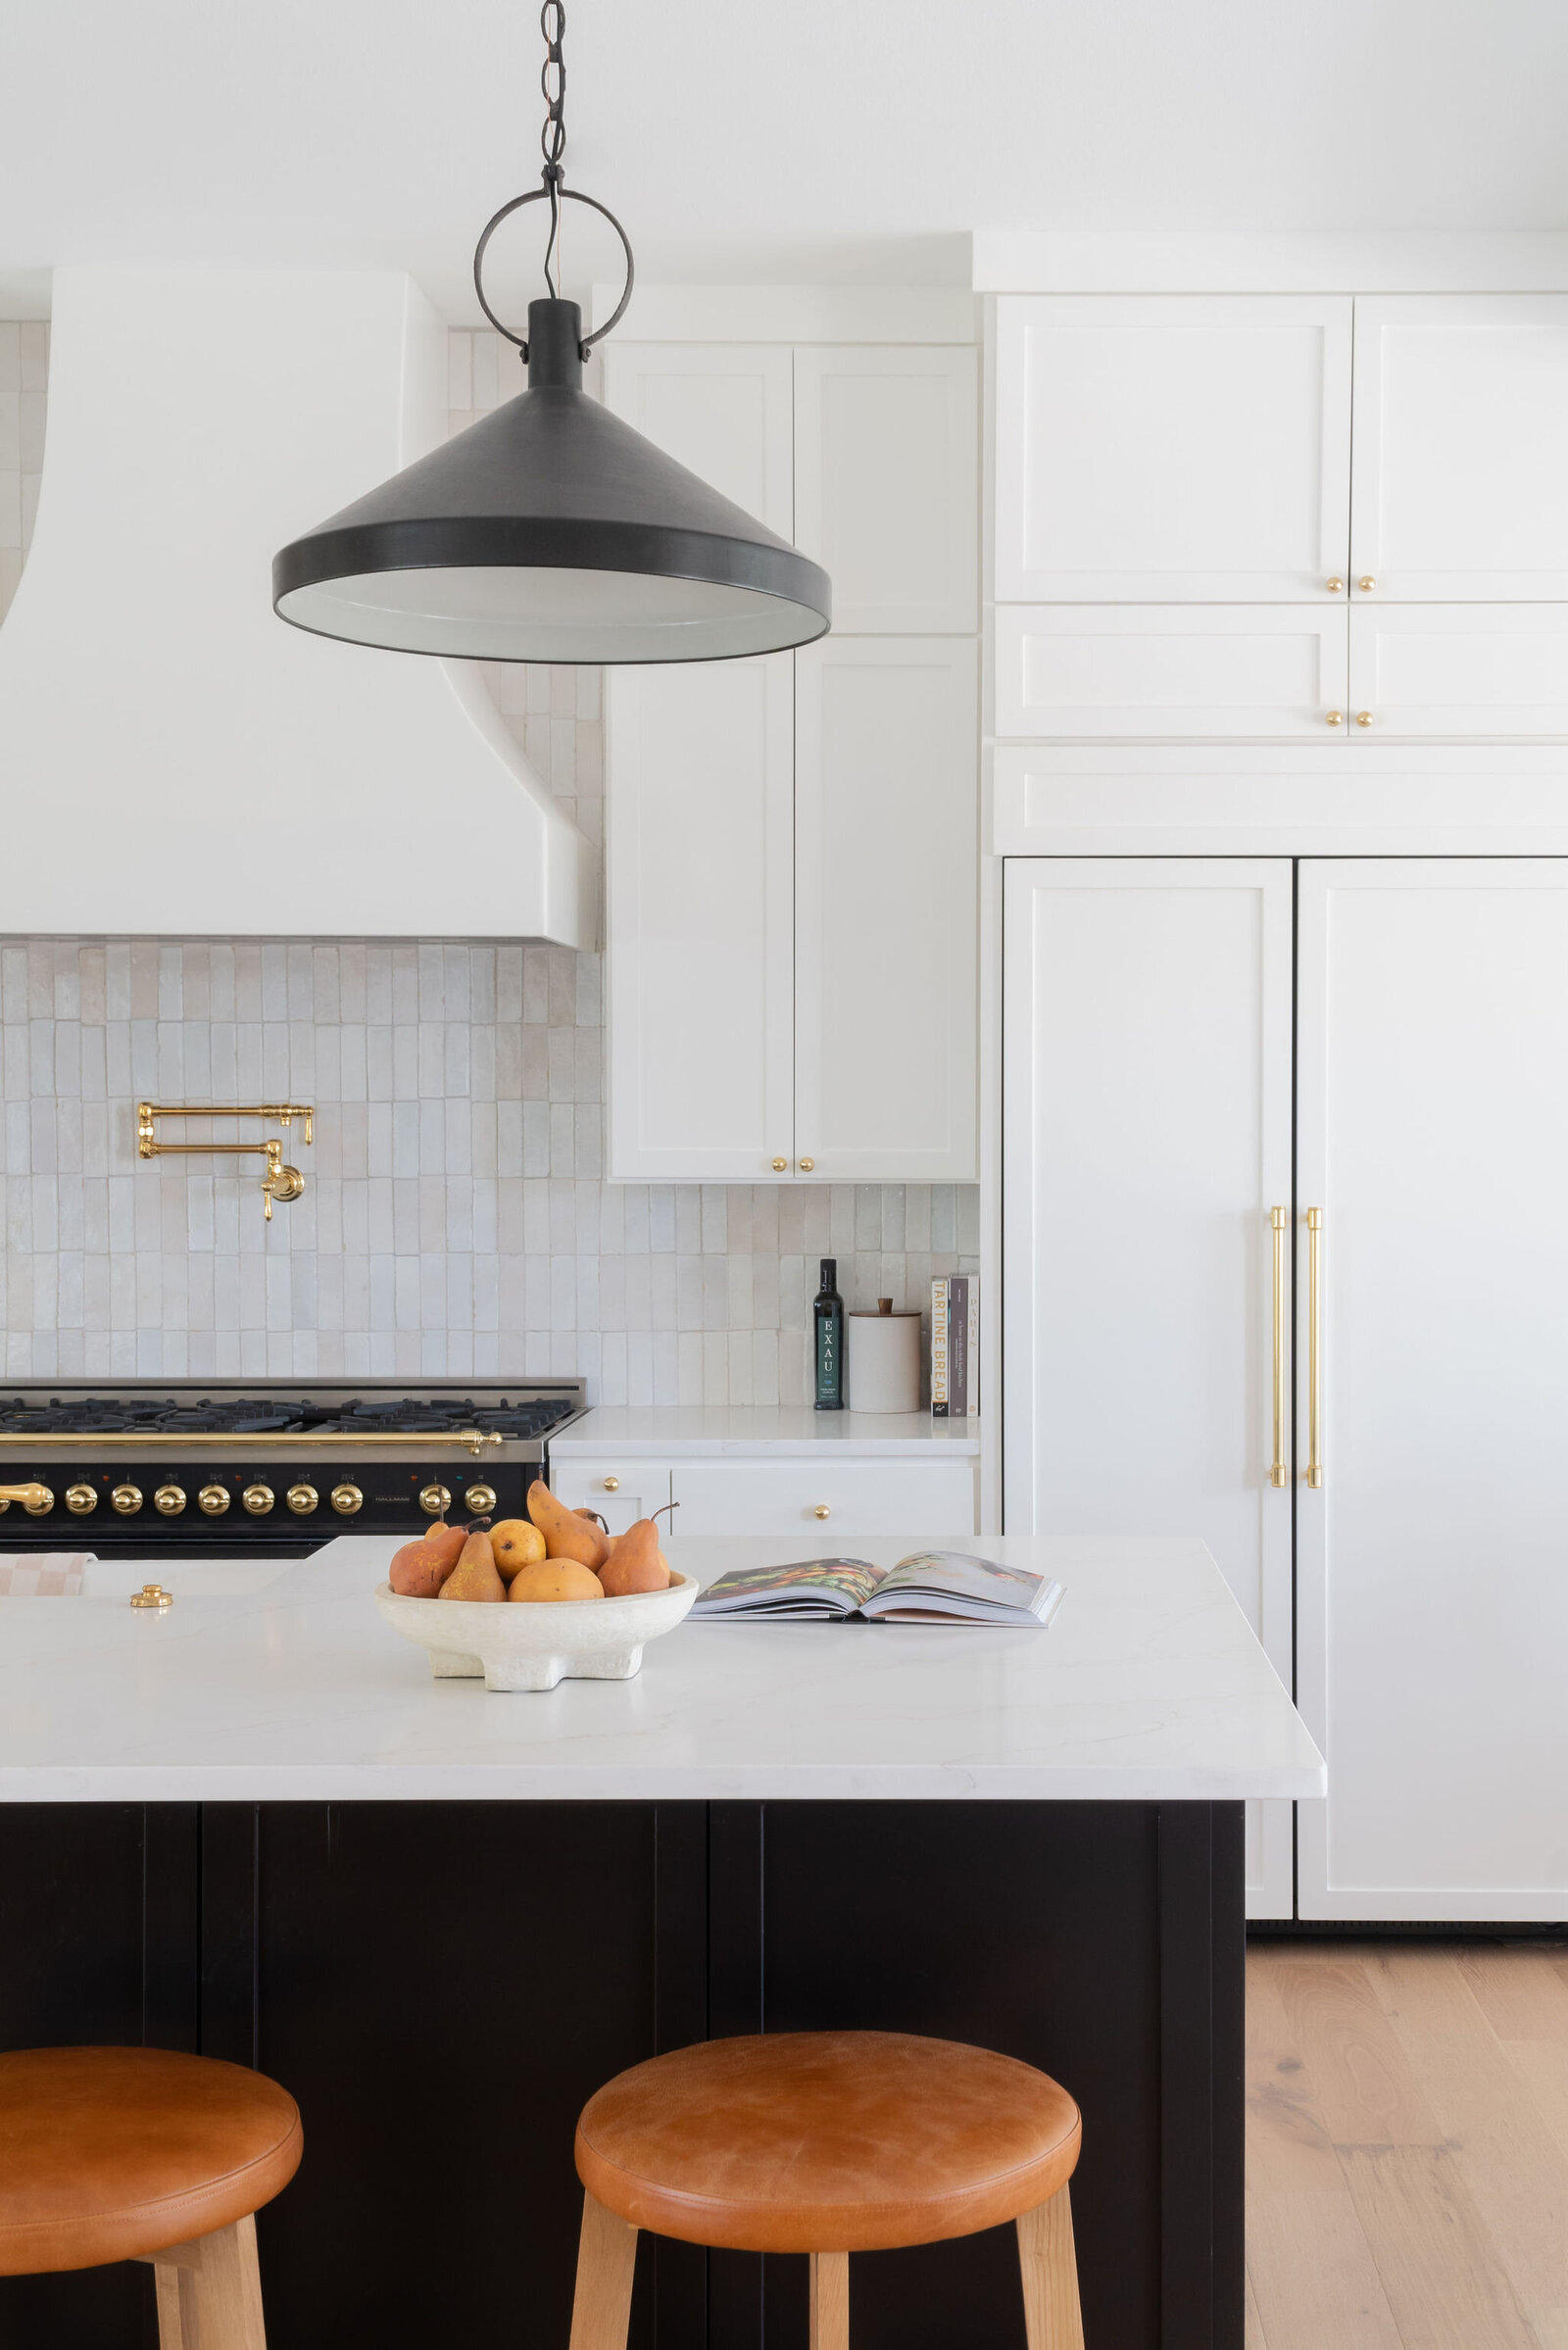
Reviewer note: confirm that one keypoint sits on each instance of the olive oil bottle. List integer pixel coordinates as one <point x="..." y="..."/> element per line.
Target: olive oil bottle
<point x="828" y="1311"/>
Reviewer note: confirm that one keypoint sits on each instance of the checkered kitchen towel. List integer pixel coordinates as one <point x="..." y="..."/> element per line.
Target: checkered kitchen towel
<point x="43" y="1574"/>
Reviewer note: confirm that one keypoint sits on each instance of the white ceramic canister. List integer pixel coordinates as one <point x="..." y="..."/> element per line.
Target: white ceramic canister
<point x="883" y="1359"/>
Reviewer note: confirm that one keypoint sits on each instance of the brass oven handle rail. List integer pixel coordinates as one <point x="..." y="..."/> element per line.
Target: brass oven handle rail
<point x="125" y="1440"/>
<point x="279" y="1182"/>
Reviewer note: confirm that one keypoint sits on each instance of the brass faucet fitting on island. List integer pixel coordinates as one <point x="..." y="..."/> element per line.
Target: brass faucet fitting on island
<point x="279" y="1182"/>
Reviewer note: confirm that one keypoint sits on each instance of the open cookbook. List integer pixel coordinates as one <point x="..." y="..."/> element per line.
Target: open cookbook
<point x="929" y="1587"/>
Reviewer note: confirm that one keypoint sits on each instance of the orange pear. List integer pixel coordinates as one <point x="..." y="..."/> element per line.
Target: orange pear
<point x="568" y="1532"/>
<point x="635" y="1562"/>
<point x="422" y="1567"/>
<point x="517" y="1542"/>
<point x="474" y="1577"/>
<point x="556" y="1579"/>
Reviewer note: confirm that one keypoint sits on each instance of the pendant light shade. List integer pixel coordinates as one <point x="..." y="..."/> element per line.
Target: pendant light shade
<point x="551" y="531"/>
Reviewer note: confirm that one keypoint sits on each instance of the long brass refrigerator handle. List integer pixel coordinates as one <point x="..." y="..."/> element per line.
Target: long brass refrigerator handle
<point x="1279" y="1472"/>
<point x="1314" y="1363"/>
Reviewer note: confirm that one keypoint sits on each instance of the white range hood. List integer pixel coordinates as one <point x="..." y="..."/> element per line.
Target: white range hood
<point x="174" y="760"/>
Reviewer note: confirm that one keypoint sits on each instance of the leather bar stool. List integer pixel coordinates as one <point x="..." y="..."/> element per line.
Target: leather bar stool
<point x="112" y="2154"/>
<point x="828" y="2144"/>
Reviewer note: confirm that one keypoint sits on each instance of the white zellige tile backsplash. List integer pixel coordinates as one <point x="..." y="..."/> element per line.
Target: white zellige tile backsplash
<point x="455" y="1220"/>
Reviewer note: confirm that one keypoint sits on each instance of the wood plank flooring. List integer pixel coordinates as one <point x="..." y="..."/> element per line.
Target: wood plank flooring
<point x="1406" y="2147"/>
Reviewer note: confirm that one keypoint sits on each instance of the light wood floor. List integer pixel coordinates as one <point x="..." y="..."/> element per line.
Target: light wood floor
<point x="1406" y="2147"/>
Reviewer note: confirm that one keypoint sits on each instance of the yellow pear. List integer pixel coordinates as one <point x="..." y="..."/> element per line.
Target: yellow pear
<point x="474" y="1577"/>
<point x="517" y="1542"/>
<point x="556" y="1579"/>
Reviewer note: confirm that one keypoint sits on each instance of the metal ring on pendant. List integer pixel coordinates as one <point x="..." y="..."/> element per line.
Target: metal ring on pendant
<point x="537" y="196"/>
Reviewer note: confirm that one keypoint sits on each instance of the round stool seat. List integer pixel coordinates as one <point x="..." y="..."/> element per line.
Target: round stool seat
<point x="107" y="2153"/>
<point x="826" y="2142"/>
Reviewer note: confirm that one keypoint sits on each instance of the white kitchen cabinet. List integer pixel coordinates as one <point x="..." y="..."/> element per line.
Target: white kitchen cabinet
<point x="1273" y="672"/>
<point x="700" y="958"/>
<point x="1162" y="449"/>
<point x="1496" y="671"/>
<point x="725" y="410"/>
<point x="886" y="823"/>
<point x="1145" y="1145"/>
<point x="826" y="1502"/>
<point x="1432" y="1559"/>
<point x="620" y="1491"/>
<point x="1462" y="464"/>
<point x="887" y="484"/>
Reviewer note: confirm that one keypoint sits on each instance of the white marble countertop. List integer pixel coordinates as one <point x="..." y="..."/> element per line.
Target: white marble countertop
<point x="781" y="1431"/>
<point x="272" y="1680"/>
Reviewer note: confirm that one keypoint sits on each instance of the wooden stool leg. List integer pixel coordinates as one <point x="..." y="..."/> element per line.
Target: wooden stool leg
<point x="1051" y="2317"/>
<point x="210" y="2291"/>
<point x="830" y="2301"/>
<point x="607" y="2254"/>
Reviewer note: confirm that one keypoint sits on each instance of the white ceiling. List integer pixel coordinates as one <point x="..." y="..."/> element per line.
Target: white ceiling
<point x="858" y="140"/>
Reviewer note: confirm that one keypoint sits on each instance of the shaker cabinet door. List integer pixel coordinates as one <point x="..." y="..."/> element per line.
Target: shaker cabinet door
<point x="1145" y="1147"/>
<point x="1432" y="1558"/>
<point x="699" y="889"/>
<point x="1483" y="672"/>
<point x="1461" y="460"/>
<point x="1168" y="449"/>
<point x="885" y="817"/>
<point x="726" y="411"/>
<point x="887" y="486"/>
<point x="1085" y="673"/>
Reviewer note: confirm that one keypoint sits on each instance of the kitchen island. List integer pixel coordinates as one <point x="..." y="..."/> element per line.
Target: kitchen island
<point x="255" y="1826"/>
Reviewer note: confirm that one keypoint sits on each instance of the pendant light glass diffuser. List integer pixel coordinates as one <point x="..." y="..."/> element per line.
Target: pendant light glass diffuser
<point x="549" y="530"/>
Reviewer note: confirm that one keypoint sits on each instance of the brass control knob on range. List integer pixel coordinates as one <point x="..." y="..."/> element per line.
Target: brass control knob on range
<point x="125" y="1499"/>
<point x="170" y="1499"/>
<point x="480" y="1499"/>
<point x="258" y="1500"/>
<point x="79" y="1499"/>
<point x="213" y="1500"/>
<point x="435" y="1500"/>
<point x="301" y="1499"/>
<point x="346" y="1499"/>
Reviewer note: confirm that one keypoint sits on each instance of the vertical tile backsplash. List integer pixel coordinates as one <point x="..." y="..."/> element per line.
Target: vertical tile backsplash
<point x="456" y="1219"/>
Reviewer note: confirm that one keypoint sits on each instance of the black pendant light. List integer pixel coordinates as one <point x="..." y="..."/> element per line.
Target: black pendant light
<point x="549" y="530"/>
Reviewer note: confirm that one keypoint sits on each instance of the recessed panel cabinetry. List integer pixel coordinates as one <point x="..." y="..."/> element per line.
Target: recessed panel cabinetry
<point x="1086" y="671"/>
<point x="791" y="844"/>
<point x="822" y="1501"/>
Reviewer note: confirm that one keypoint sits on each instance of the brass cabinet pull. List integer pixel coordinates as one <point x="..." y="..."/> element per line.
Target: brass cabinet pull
<point x="822" y="1510"/>
<point x="1363" y="718"/>
<point x="1335" y="587"/>
<point x="1314" y="1370"/>
<point x="611" y="1485"/>
<point x="806" y="1164"/>
<point x="779" y="1165"/>
<point x="1279" y="1473"/>
<point x="1333" y="717"/>
<point x="1366" y="583"/>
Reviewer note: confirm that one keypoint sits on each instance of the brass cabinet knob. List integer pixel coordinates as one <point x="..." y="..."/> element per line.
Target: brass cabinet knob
<point x="806" y="1164"/>
<point x="1333" y="717"/>
<point x="127" y="1500"/>
<point x="435" y="1500"/>
<point x="611" y="1485"/>
<point x="258" y="1500"/>
<point x="213" y="1500"/>
<point x="779" y="1165"/>
<point x="346" y="1499"/>
<point x="821" y="1510"/>
<point x="301" y="1499"/>
<point x="481" y="1499"/>
<point x="152" y="1594"/>
<point x="1335" y="587"/>
<point x="1363" y="718"/>
<point x="170" y="1499"/>
<point x="1366" y="583"/>
<point x="79" y="1499"/>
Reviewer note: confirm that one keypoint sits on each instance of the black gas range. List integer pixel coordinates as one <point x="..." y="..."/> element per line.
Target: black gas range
<point x="274" y="1468"/>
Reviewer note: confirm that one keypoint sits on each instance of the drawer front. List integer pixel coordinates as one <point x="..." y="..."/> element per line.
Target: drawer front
<point x="1086" y="672"/>
<point x="1481" y="669"/>
<point x="825" y="1502"/>
<point x="620" y="1491"/>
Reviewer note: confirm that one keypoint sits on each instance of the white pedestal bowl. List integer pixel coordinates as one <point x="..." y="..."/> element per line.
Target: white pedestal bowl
<point x="532" y="1644"/>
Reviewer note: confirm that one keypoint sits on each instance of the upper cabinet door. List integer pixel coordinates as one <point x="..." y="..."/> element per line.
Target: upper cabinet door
<point x="700" y="893"/>
<point x="1461" y="458"/>
<point x="725" y="410"/>
<point x="1172" y="672"/>
<point x="1169" y="449"/>
<point x="886" y="815"/>
<point x="887" y="486"/>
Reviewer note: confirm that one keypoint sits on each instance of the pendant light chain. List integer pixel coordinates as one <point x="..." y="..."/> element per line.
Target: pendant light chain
<point x="553" y="134"/>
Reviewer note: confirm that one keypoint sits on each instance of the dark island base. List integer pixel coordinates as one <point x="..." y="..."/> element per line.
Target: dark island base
<point x="443" y="1985"/>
